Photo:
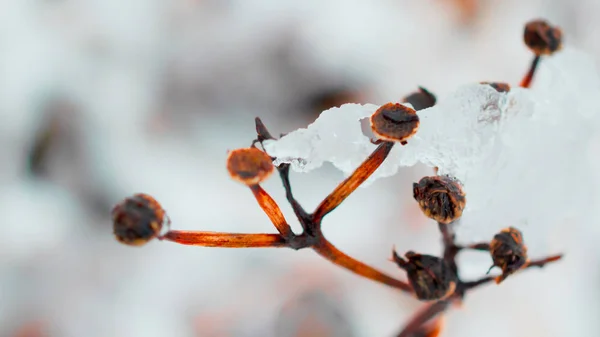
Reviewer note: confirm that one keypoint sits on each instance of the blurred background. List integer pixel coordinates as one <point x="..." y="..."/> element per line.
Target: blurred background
<point x="101" y="99"/>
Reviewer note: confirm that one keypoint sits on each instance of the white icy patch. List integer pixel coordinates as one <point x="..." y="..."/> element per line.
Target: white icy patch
<point x="522" y="156"/>
<point x="336" y="137"/>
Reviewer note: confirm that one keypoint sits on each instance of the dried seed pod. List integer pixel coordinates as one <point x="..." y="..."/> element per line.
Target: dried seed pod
<point x="421" y="99"/>
<point x="138" y="219"/>
<point x="430" y="276"/>
<point x="394" y="122"/>
<point x="441" y="198"/>
<point x="542" y="38"/>
<point x="508" y="251"/>
<point x="499" y="86"/>
<point x="249" y="166"/>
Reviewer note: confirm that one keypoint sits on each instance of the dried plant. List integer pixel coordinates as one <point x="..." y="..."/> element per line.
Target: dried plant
<point x="431" y="279"/>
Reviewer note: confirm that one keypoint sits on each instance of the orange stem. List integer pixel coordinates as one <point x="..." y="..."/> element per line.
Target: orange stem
<point x="346" y="187"/>
<point x="224" y="240"/>
<point x="427" y="322"/>
<point x="270" y="207"/>
<point x="331" y="253"/>
<point x="526" y="81"/>
<point x="542" y="262"/>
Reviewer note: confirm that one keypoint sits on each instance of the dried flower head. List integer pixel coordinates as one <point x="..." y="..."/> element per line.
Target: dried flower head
<point x="249" y="166"/>
<point x="542" y="38"/>
<point x="499" y="86"/>
<point x="421" y="99"/>
<point x="394" y="122"/>
<point x="441" y="198"/>
<point x="508" y="251"/>
<point x="138" y="219"/>
<point x="431" y="277"/>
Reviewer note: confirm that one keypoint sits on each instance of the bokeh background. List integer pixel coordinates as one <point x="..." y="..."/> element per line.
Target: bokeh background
<point x="101" y="99"/>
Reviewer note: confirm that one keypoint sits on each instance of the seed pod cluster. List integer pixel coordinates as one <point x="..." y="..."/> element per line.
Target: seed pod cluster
<point x="441" y="198"/>
<point x="508" y="251"/>
<point x="421" y="99"/>
<point x="249" y="166"/>
<point x="430" y="276"/>
<point x="138" y="219"/>
<point x="542" y="38"/>
<point x="394" y="122"/>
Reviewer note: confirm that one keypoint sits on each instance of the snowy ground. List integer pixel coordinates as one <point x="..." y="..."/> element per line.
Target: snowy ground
<point x="147" y="96"/>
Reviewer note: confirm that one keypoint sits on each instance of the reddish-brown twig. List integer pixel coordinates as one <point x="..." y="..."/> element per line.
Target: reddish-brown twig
<point x="331" y="253"/>
<point x="272" y="210"/>
<point x="424" y="315"/>
<point x="224" y="240"/>
<point x="350" y="184"/>
<point x="526" y="81"/>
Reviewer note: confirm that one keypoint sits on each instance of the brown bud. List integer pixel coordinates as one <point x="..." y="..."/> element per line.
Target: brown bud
<point x="542" y="38"/>
<point x="508" y="251"/>
<point x="138" y="219"/>
<point x="441" y="198"/>
<point x="430" y="276"/>
<point x="499" y="86"/>
<point x="394" y="122"/>
<point x="249" y="166"/>
<point x="421" y="99"/>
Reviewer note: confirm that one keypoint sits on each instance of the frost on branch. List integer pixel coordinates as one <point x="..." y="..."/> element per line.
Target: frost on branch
<point x="519" y="154"/>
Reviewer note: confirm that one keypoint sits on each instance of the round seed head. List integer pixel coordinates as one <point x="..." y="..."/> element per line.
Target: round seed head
<point x="542" y="38"/>
<point x="441" y="198"/>
<point x="137" y="219"/>
<point x="508" y="251"/>
<point x="249" y="166"/>
<point x="394" y="122"/>
<point x="421" y="99"/>
<point x="430" y="276"/>
<point x="499" y="86"/>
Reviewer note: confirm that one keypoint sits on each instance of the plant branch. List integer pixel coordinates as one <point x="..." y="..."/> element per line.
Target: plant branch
<point x="359" y="176"/>
<point x="482" y="246"/>
<point x="428" y="312"/>
<point x="531" y="264"/>
<point x="331" y="253"/>
<point x="542" y="262"/>
<point x="526" y="81"/>
<point x="270" y="207"/>
<point x="224" y="240"/>
<point x="450" y="248"/>
<point x="304" y="217"/>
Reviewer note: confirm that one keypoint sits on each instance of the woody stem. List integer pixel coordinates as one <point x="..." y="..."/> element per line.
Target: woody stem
<point x="224" y="240"/>
<point x="272" y="210"/>
<point x="331" y="253"/>
<point x="350" y="184"/>
<point x="423" y="316"/>
<point x="526" y="81"/>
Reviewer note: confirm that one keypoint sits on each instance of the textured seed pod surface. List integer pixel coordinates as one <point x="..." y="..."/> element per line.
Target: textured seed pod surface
<point x="249" y="166"/>
<point x="441" y="198"/>
<point x="508" y="250"/>
<point x="430" y="276"/>
<point x="137" y="219"/>
<point x="542" y="38"/>
<point x="394" y="122"/>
